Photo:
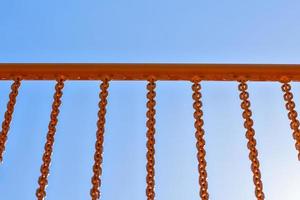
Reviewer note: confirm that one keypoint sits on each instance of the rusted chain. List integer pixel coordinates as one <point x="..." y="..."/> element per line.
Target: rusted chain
<point x="43" y="179"/>
<point x="98" y="158"/>
<point x="292" y="113"/>
<point x="8" y="115"/>
<point x="199" y="134"/>
<point x="150" y="193"/>
<point x="250" y="133"/>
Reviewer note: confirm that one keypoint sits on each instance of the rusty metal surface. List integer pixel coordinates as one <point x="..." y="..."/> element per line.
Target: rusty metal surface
<point x="141" y="71"/>
<point x="151" y="73"/>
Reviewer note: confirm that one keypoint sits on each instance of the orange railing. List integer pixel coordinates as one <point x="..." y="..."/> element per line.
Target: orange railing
<point x="195" y="73"/>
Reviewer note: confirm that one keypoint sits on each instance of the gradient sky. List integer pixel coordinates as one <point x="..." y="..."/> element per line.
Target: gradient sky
<point x="149" y="31"/>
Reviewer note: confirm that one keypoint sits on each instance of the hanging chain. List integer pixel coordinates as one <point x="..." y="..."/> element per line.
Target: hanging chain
<point x="97" y="168"/>
<point x="199" y="134"/>
<point x="8" y="115"/>
<point x="292" y="114"/>
<point x="150" y="193"/>
<point x="43" y="181"/>
<point x="250" y="133"/>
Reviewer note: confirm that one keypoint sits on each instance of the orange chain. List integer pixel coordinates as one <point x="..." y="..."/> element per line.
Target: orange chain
<point x="150" y="139"/>
<point x="43" y="179"/>
<point x="199" y="134"/>
<point x="292" y="114"/>
<point x="8" y="115"/>
<point x="250" y="133"/>
<point x="97" y="168"/>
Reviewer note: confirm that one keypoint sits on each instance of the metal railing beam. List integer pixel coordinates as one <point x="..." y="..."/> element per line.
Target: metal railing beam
<point x="141" y="71"/>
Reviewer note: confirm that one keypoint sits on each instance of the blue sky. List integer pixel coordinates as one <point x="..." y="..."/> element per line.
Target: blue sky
<point x="149" y="31"/>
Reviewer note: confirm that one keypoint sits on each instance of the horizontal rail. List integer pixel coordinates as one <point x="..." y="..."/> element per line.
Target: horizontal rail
<point x="141" y="71"/>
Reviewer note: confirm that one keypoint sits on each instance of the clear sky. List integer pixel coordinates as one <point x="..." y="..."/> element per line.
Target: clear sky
<point x="149" y="31"/>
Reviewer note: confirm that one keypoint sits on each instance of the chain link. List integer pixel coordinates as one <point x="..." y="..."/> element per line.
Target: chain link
<point x="292" y="114"/>
<point x="98" y="158"/>
<point x="8" y="115"/>
<point x="199" y="134"/>
<point x="250" y="133"/>
<point x="150" y="139"/>
<point x="43" y="179"/>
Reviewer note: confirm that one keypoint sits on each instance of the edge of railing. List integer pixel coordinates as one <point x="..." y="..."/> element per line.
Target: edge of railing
<point x="142" y="71"/>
